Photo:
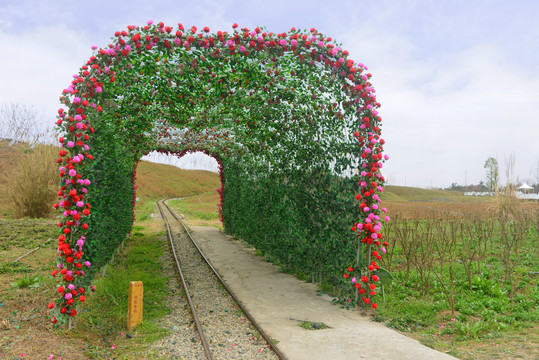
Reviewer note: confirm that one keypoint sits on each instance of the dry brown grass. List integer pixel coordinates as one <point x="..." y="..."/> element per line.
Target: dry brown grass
<point x="458" y="210"/>
<point x="24" y="325"/>
<point x="32" y="183"/>
<point x="10" y="156"/>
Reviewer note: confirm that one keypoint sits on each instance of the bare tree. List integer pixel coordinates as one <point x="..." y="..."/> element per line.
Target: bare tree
<point x="18" y="123"/>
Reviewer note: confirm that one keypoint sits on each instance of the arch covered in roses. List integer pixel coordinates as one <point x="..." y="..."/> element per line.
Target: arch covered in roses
<point x="284" y="101"/>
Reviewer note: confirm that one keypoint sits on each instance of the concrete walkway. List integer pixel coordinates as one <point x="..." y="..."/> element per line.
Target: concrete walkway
<point x="279" y="301"/>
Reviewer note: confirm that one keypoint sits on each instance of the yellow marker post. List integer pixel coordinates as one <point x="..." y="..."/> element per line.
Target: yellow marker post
<point x="134" y="312"/>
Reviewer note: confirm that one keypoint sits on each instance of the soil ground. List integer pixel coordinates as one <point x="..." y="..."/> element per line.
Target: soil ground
<point x="280" y="302"/>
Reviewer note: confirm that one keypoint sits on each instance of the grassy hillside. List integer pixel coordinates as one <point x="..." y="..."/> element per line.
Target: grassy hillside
<point x="405" y="193"/>
<point x="158" y="181"/>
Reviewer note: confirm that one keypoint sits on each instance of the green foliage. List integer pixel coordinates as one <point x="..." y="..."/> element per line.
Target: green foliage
<point x="299" y="220"/>
<point x="26" y="282"/>
<point x="111" y="198"/>
<point x="472" y="329"/>
<point x="484" y="286"/>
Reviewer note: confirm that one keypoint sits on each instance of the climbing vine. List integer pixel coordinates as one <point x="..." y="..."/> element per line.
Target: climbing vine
<point x="292" y="120"/>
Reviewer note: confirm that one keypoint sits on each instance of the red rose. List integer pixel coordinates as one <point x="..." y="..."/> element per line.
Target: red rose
<point x="346" y="276"/>
<point x="234" y="25"/>
<point x="60" y="289"/>
<point x="350" y="269"/>
<point x="63" y="310"/>
<point x="53" y="320"/>
<point x="82" y="298"/>
<point x="51" y="305"/>
<point x="374" y="306"/>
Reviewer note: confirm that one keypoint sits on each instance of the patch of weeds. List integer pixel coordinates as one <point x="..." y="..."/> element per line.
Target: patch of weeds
<point x="472" y="329"/>
<point x="286" y="270"/>
<point x="309" y="325"/>
<point x="15" y="268"/>
<point x="27" y="282"/>
<point x="379" y="318"/>
<point x="399" y="324"/>
<point x="325" y="287"/>
<point x="344" y="302"/>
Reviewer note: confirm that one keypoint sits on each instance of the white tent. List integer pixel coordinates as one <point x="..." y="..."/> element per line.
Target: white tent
<point x="524" y="187"/>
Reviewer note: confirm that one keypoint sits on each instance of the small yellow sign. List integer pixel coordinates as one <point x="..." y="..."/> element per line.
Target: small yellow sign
<point x="134" y="312"/>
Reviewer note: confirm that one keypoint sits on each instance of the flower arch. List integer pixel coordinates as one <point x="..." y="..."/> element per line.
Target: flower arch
<point x="291" y="119"/>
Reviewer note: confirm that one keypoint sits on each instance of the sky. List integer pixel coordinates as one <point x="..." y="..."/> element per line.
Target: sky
<point x="458" y="80"/>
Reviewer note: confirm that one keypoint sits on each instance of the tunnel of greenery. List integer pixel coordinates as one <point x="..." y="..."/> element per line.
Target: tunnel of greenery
<point x="291" y="120"/>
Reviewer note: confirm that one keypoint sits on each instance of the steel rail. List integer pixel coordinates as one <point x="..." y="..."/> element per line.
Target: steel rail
<point x="240" y="304"/>
<point x="207" y="351"/>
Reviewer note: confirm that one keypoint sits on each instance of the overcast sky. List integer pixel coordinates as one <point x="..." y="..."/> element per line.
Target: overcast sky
<point x="458" y="80"/>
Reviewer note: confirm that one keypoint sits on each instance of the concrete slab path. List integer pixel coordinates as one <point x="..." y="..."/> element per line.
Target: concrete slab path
<point x="279" y="301"/>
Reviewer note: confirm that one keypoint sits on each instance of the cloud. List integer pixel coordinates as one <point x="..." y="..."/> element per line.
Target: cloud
<point x="445" y="113"/>
<point x="36" y="66"/>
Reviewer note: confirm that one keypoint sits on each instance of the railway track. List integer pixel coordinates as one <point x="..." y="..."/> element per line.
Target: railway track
<point x="225" y="328"/>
